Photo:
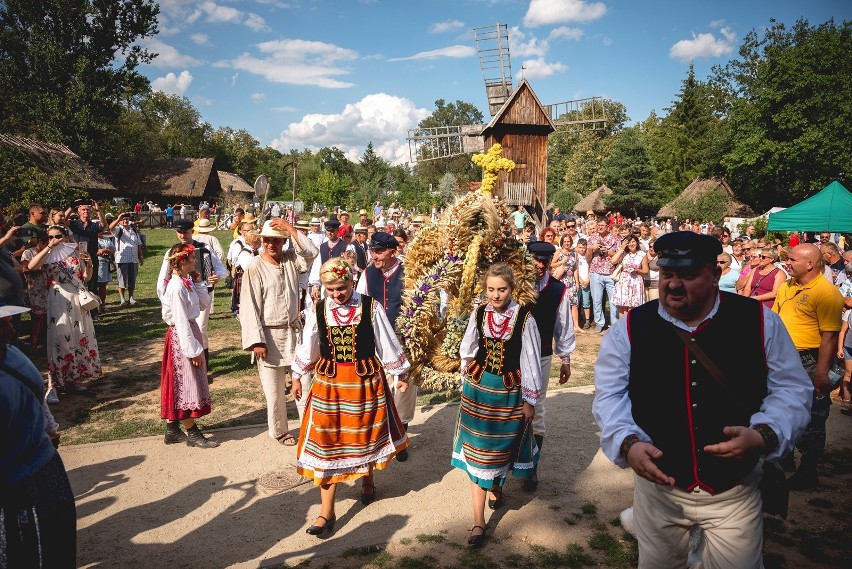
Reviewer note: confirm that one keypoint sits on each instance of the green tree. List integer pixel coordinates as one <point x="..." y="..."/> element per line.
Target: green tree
<point x="67" y="65"/>
<point x="29" y="184"/>
<point x="447" y="189"/>
<point x="790" y="107"/>
<point x="627" y="171"/>
<point x="583" y="165"/>
<point x="711" y="205"/>
<point x="235" y="151"/>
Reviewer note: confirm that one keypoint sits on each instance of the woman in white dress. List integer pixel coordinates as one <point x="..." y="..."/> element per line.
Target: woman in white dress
<point x="184" y="394"/>
<point x="630" y="287"/>
<point x="72" y="350"/>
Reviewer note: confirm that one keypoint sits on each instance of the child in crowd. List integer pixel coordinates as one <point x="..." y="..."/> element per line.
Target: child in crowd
<point x="584" y="292"/>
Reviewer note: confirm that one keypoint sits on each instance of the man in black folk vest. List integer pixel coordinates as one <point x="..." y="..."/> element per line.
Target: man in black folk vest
<point x="693" y="437"/>
<point x="332" y="247"/>
<point x="552" y="313"/>
<point x="383" y="280"/>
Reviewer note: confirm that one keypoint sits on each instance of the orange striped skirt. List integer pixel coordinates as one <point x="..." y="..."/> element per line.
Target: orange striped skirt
<point x="350" y="426"/>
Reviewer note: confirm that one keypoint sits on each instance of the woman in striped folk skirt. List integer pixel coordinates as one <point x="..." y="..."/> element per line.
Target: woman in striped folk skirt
<point x="500" y="352"/>
<point x="350" y="425"/>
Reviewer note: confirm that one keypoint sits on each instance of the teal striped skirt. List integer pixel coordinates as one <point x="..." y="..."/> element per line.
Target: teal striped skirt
<point x="490" y="439"/>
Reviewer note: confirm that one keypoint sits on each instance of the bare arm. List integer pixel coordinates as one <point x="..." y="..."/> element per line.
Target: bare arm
<point x="827" y="349"/>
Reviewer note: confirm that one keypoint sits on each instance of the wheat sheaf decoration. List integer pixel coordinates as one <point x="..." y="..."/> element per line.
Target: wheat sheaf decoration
<point x="444" y="265"/>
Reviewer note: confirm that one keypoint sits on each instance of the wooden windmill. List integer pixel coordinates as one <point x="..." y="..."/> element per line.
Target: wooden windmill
<point x="519" y="123"/>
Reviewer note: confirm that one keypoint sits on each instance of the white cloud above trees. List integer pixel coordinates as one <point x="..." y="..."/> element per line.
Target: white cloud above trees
<point x="168" y="56"/>
<point x="381" y="118"/>
<point x="173" y="84"/>
<point x="455" y="51"/>
<point x="704" y="45"/>
<point x="446" y="26"/>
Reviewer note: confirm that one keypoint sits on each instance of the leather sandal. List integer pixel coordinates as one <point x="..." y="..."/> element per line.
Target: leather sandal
<point x="287" y="440"/>
<point x="368" y="498"/>
<point x="478" y="539"/>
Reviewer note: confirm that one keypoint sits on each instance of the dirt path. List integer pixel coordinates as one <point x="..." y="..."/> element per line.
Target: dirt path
<point x="143" y="504"/>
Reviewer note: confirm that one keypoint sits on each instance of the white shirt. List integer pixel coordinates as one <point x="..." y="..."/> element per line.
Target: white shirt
<point x="563" y="330"/>
<point x="127" y="244"/>
<point x="786" y="408"/>
<point x="530" y="352"/>
<point x="165" y="271"/>
<point x="181" y="305"/>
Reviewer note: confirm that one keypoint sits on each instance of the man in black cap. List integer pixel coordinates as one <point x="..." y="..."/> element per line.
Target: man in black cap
<point x="693" y="391"/>
<point x="552" y="313"/>
<point x="332" y="247"/>
<point x="383" y="280"/>
<point x="207" y="263"/>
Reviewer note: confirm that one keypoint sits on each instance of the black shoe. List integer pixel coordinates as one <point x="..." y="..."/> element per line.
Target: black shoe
<point x="403" y="455"/>
<point x="368" y="498"/>
<point x="531" y="483"/>
<point x="174" y="434"/>
<point x="476" y="541"/>
<point x="319" y="530"/>
<point x="196" y="439"/>
<point x="496" y="503"/>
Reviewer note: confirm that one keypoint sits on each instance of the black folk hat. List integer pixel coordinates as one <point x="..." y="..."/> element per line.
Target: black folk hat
<point x="686" y="250"/>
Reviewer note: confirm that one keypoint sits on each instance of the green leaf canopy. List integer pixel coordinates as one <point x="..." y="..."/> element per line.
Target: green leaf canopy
<point x="829" y="210"/>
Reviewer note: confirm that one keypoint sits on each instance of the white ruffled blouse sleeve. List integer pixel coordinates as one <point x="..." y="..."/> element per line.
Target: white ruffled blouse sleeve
<point x="308" y="350"/>
<point x="388" y="349"/>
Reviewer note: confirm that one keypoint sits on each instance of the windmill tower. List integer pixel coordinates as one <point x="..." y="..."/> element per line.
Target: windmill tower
<point x="519" y="122"/>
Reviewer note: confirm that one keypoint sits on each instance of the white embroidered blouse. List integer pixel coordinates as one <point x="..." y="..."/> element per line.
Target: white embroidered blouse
<point x="388" y="349"/>
<point x="530" y="347"/>
<point x="183" y="301"/>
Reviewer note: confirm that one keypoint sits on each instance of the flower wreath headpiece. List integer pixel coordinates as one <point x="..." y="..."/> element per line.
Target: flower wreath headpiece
<point x="184" y="252"/>
<point x="341" y="271"/>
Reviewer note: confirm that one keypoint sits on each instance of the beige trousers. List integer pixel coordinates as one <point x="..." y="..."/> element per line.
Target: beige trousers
<point x="274" y="383"/>
<point x="732" y="522"/>
<point x="405" y="402"/>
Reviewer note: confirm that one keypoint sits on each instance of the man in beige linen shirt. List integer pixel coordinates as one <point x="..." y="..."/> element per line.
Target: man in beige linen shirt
<point x="269" y="314"/>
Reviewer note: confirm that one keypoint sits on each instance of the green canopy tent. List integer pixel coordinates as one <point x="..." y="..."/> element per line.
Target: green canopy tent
<point x="829" y="210"/>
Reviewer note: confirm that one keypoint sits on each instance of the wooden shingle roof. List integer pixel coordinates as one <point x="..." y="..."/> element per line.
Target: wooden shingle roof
<point x="168" y="177"/>
<point x="734" y="207"/>
<point x="594" y="201"/>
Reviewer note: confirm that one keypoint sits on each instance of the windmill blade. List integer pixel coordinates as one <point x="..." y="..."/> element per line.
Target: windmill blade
<point x="579" y="114"/>
<point x="492" y="44"/>
<point x="444" y="142"/>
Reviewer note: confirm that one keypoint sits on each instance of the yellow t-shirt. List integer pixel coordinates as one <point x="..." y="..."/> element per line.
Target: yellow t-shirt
<point x="809" y="310"/>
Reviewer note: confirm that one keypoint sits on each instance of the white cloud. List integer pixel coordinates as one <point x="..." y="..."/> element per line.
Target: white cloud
<point x="167" y="55"/>
<point x="564" y="32"/>
<point x="704" y="46"/>
<point x="234" y="79"/>
<point x="520" y="46"/>
<point x="218" y="14"/>
<point x="283" y="109"/>
<point x="539" y="68"/>
<point x="257" y="97"/>
<point x="447" y="26"/>
<point x="380" y="118"/>
<point x="451" y="51"/>
<point x="546" y="12"/>
<point x="200" y="39"/>
<point x="297" y="62"/>
<point x="173" y="84"/>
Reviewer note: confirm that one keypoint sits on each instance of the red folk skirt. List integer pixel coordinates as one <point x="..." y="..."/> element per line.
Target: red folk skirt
<point x="184" y="393"/>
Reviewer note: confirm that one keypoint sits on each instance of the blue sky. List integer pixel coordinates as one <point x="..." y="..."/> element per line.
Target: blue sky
<point x="313" y="73"/>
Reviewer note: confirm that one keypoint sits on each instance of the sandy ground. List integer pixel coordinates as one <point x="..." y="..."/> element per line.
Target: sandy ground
<point x="141" y="503"/>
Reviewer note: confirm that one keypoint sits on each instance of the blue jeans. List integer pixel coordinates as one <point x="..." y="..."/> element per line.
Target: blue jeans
<point x="598" y="284"/>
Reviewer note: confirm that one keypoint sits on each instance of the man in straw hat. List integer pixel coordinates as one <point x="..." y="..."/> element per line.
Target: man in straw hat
<point x="270" y="314"/>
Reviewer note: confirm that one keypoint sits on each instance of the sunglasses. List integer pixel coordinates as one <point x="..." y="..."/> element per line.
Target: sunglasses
<point x="55" y="236"/>
<point x="764" y="256"/>
<point x="721" y="262"/>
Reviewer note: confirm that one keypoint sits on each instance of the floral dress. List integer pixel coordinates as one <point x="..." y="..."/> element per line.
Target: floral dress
<point x="36" y="285"/>
<point x="630" y="288"/>
<point x="72" y="350"/>
<point x="569" y="259"/>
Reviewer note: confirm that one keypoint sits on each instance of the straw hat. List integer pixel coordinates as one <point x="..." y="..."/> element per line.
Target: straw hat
<point x="269" y="231"/>
<point x="11" y="309"/>
<point x="249" y="218"/>
<point x="204" y="226"/>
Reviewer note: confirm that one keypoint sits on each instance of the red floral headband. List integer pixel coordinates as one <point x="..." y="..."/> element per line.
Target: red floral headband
<point x="184" y="252"/>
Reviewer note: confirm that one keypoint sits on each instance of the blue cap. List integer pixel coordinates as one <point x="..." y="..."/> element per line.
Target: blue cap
<point x="382" y="240"/>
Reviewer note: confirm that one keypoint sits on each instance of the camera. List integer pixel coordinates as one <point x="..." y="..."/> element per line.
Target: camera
<point x="81" y="201"/>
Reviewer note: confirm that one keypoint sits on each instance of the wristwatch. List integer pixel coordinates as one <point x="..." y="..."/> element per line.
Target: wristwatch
<point x="770" y="439"/>
<point x="628" y="442"/>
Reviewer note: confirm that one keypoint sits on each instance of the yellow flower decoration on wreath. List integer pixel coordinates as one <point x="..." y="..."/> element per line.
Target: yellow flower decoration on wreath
<point x="492" y="162"/>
